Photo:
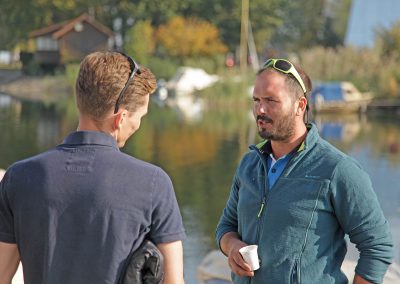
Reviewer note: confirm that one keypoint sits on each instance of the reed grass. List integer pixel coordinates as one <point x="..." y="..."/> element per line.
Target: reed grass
<point x="366" y="68"/>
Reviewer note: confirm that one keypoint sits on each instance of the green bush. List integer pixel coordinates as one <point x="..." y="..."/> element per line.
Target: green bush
<point x="71" y="73"/>
<point x="213" y="64"/>
<point x="163" y="68"/>
<point x="233" y="88"/>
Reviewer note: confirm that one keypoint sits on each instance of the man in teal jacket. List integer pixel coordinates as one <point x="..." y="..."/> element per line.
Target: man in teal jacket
<point x="296" y="196"/>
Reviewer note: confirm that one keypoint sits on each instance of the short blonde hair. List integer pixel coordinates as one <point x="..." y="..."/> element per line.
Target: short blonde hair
<point x="102" y="76"/>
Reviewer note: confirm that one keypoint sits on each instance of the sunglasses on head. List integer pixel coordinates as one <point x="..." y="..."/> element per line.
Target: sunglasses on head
<point x="134" y="70"/>
<point x="284" y="66"/>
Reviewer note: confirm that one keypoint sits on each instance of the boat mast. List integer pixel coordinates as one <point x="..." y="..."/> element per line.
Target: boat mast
<point x="252" y="50"/>
<point x="244" y="35"/>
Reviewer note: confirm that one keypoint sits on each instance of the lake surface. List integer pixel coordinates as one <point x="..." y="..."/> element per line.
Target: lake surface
<point x="200" y="150"/>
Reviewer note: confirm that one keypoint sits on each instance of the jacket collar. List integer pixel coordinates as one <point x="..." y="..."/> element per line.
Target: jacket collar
<point x="90" y="138"/>
<point x="310" y="140"/>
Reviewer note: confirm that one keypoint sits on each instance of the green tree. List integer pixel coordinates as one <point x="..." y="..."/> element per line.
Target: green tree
<point x="226" y="15"/>
<point x="309" y="23"/>
<point x="19" y="17"/>
<point x="158" y="11"/>
<point x="388" y="40"/>
<point x="284" y="24"/>
<point x="303" y="21"/>
<point x="341" y="10"/>
<point x="140" y="41"/>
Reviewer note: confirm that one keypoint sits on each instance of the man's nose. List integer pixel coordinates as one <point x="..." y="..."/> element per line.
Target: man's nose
<point x="259" y="108"/>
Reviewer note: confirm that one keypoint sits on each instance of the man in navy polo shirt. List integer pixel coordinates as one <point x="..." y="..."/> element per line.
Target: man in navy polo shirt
<point x="74" y="213"/>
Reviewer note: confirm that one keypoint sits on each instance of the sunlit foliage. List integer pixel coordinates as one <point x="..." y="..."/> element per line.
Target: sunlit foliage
<point x="190" y="37"/>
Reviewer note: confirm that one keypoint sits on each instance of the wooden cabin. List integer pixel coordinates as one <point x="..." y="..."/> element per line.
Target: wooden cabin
<point x="70" y="41"/>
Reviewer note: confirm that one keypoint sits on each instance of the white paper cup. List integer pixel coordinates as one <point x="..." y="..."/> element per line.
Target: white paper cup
<point x="250" y="255"/>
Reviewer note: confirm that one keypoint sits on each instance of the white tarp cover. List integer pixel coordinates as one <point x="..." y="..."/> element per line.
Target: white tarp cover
<point x="188" y="80"/>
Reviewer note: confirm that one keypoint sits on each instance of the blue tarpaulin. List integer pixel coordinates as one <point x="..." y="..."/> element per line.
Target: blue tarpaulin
<point x="329" y="92"/>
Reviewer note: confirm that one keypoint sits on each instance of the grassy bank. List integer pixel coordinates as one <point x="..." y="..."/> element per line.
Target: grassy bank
<point x="367" y="69"/>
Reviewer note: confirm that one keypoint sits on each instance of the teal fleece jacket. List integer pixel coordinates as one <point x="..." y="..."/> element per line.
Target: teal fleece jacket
<point x="300" y="224"/>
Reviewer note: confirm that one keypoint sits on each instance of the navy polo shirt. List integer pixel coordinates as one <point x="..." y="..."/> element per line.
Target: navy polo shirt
<point x="77" y="211"/>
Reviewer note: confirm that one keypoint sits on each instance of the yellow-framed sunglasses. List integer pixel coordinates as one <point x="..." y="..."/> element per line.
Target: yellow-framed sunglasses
<point x="286" y="67"/>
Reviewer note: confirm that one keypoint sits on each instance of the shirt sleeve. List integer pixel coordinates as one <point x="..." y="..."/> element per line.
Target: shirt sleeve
<point x="361" y="217"/>
<point x="166" y="224"/>
<point x="6" y="216"/>
<point x="229" y="218"/>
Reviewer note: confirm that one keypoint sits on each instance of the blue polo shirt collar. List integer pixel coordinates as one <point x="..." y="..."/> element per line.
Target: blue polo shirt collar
<point x="91" y="138"/>
<point x="276" y="167"/>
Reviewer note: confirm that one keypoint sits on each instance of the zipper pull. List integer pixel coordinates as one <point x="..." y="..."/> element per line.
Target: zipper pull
<point x="261" y="208"/>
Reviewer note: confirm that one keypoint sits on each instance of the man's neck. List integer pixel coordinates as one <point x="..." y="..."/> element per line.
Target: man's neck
<point x="282" y="148"/>
<point x="88" y="124"/>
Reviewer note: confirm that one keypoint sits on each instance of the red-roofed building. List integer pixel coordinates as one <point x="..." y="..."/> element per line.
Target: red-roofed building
<point x="70" y="41"/>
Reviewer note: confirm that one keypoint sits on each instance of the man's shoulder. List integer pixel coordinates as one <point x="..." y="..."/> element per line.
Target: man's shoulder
<point x="335" y="159"/>
<point x="33" y="161"/>
<point x="142" y="166"/>
<point x="326" y="150"/>
<point x="136" y="162"/>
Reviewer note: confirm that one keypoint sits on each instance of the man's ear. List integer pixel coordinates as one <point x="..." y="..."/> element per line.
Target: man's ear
<point x="301" y="108"/>
<point x="119" y="119"/>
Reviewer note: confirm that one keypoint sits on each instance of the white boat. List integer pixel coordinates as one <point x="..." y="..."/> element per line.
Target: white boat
<point x="339" y="97"/>
<point x="187" y="80"/>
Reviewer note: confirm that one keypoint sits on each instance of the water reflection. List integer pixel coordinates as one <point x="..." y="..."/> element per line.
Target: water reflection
<point x="201" y="155"/>
<point x="27" y="128"/>
<point x="340" y="128"/>
<point x="189" y="108"/>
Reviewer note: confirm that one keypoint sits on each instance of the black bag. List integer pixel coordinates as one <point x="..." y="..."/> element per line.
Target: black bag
<point x="146" y="265"/>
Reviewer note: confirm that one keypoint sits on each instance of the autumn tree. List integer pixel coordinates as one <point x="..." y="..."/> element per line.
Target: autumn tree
<point x="182" y="37"/>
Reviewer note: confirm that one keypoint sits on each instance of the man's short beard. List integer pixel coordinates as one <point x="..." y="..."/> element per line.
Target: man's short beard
<point x="283" y="128"/>
<point x="274" y="136"/>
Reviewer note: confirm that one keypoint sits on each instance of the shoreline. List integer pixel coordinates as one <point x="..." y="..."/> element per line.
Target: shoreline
<point x="48" y="89"/>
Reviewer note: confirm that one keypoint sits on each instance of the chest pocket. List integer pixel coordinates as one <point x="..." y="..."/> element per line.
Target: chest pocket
<point x="297" y="206"/>
<point x="300" y="199"/>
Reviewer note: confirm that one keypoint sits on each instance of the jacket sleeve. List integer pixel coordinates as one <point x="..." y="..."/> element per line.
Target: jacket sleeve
<point x="229" y="220"/>
<point x="360" y="215"/>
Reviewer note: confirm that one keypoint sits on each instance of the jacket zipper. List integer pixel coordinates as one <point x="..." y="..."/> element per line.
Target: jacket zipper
<point x="261" y="207"/>
<point x="263" y="204"/>
<point x="295" y="273"/>
<point x="259" y="217"/>
<point x="265" y="197"/>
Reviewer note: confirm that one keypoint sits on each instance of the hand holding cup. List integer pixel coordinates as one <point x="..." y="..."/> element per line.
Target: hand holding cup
<point x="250" y="255"/>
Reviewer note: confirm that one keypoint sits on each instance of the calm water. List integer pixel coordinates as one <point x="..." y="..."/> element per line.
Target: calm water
<point x="200" y="151"/>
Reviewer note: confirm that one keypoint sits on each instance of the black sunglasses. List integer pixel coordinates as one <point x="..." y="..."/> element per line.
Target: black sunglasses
<point x="134" y="70"/>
